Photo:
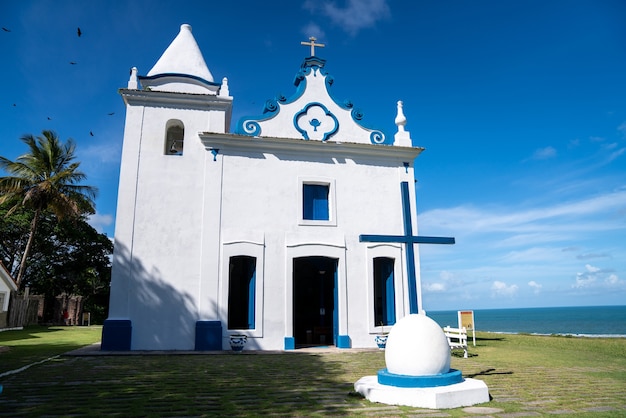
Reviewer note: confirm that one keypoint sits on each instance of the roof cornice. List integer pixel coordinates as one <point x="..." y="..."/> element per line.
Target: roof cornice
<point x="152" y="97"/>
<point x="224" y="142"/>
<point x="6" y="276"/>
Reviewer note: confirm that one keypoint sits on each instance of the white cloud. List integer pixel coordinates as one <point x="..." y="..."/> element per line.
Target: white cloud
<point x="313" y="29"/>
<point x="101" y="153"/>
<point x="544" y="153"/>
<point x="531" y="254"/>
<point x="446" y="280"/>
<point x="557" y="219"/>
<point x="356" y="15"/>
<point x="574" y="143"/>
<point x="502" y="289"/>
<point x="435" y="287"/>
<point x="613" y="280"/>
<point x="597" y="278"/>
<point x="622" y="128"/>
<point x="584" y="280"/>
<point x="616" y="154"/>
<point x="536" y="286"/>
<point x="587" y="278"/>
<point x="99" y="221"/>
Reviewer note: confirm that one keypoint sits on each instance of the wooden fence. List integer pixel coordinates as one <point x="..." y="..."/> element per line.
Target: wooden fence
<point x="22" y="310"/>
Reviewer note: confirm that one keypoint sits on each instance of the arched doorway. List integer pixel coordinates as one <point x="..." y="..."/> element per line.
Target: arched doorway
<point x="315" y="320"/>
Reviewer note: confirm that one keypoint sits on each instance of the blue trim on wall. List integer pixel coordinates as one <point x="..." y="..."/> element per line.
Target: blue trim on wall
<point x="409" y="240"/>
<point x="164" y="75"/>
<point x="290" y="343"/>
<point x="252" y="299"/>
<point x="116" y="335"/>
<point x="249" y="125"/>
<point x="336" y="307"/>
<point x="410" y="247"/>
<point x="208" y="336"/>
<point x="406" y="381"/>
<point x="327" y="112"/>
<point x="390" y="296"/>
<point x="344" y="341"/>
<point x="315" y="202"/>
<point x="378" y="138"/>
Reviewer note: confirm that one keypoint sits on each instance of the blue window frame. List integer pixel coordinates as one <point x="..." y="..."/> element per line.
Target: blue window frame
<point x="384" y="292"/>
<point x="315" y="202"/>
<point x="241" y="292"/>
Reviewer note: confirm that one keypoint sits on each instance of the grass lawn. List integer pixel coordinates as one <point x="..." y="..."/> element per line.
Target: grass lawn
<point x="527" y="376"/>
<point x="35" y="343"/>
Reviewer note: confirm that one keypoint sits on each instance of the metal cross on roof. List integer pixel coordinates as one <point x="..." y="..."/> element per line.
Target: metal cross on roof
<point x="415" y="289"/>
<point x="312" y="44"/>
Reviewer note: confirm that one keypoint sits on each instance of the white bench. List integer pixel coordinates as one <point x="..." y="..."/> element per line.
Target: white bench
<point x="457" y="338"/>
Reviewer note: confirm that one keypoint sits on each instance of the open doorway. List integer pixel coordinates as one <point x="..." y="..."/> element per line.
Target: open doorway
<point x="315" y="301"/>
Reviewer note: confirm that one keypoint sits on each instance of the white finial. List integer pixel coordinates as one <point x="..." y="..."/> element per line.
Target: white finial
<point x="312" y="44"/>
<point x="132" y="81"/>
<point x="402" y="137"/>
<point x="224" y="88"/>
<point x="185" y="26"/>
<point x="400" y="118"/>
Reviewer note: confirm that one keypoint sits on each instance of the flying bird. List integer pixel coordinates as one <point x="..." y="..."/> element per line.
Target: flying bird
<point x="49" y="118"/>
<point x="90" y="133"/>
<point x="79" y="32"/>
<point x="5" y="29"/>
<point x="111" y="114"/>
<point x="72" y="63"/>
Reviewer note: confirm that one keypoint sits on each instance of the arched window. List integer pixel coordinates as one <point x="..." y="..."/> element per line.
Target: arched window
<point x="174" y="137"/>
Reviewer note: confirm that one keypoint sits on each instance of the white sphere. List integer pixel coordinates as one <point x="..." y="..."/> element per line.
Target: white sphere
<point x="417" y="346"/>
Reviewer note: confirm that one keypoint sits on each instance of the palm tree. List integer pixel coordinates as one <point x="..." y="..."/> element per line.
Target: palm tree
<point x="45" y="179"/>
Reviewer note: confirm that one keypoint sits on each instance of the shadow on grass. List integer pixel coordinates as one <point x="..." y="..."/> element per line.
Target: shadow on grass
<point x="487" y="372"/>
<point x="187" y="385"/>
<point x="460" y="354"/>
<point x="28" y="333"/>
<point x="491" y="339"/>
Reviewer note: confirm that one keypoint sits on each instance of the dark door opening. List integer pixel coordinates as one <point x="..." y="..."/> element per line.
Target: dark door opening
<point x="314" y="301"/>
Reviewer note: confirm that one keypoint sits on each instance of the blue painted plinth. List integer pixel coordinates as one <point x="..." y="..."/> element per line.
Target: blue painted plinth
<point x="406" y="381"/>
<point x="116" y="335"/>
<point x="208" y="336"/>
<point x="343" y="341"/>
<point x="290" y="343"/>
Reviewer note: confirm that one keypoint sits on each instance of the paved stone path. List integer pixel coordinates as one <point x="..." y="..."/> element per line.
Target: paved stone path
<point x="316" y="382"/>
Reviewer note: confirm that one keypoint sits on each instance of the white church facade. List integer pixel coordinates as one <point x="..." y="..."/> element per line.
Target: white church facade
<point x="297" y="229"/>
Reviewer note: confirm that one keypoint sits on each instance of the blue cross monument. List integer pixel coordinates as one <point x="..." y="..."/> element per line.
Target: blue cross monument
<point x="409" y="240"/>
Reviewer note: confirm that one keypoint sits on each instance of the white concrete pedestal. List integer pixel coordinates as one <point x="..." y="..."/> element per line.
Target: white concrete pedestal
<point x="469" y="392"/>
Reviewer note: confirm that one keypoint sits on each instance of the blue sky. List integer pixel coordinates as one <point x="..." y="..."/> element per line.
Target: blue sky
<point x="521" y="106"/>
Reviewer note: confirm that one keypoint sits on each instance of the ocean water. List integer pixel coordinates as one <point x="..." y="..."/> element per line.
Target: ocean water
<point x="590" y="321"/>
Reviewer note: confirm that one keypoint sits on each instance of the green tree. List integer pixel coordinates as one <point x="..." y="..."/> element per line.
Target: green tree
<point x="45" y="178"/>
<point x="67" y="257"/>
<point x="13" y="236"/>
<point x="72" y="258"/>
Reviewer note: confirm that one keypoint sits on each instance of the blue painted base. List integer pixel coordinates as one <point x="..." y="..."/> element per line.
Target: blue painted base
<point x="290" y="343"/>
<point x="405" y="381"/>
<point x="208" y="336"/>
<point x="116" y="335"/>
<point x="343" y="341"/>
